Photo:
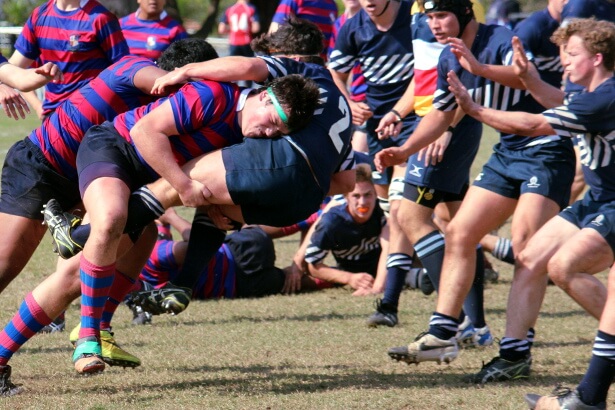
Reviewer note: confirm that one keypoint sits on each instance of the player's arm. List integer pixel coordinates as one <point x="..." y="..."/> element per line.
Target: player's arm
<point x="547" y="95"/>
<point x="354" y="280"/>
<point x="22" y="61"/>
<point x="360" y="110"/>
<point x="511" y="122"/>
<point x="430" y="128"/>
<point x="29" y="79"/>
<point x="145" y="78"/>
<point x="231" y="68"/>
<point x="178" y="223"/>
<point x="151" y="138"/>
<point x="503" y="74"/>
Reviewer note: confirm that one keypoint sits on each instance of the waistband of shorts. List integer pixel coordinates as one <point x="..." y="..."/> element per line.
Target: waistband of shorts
<point x="38" y="153"/>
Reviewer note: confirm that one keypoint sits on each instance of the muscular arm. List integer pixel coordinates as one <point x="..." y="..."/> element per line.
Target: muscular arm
<point x="342" y="182"/>
<point x="232" y="68"/>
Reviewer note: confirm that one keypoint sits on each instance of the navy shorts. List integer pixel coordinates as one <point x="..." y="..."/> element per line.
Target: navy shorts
<point x="254" y="256"/>
<point x="452" y="174"/>
<point x="105" y="153"/>
<point x="599" y="216"/>
<point x="29" y="181"/>
<point x="430" y="197"/>
<point x="375" y="145"/>
<point x="545" y="169"/>
<point x="271" y="181"/>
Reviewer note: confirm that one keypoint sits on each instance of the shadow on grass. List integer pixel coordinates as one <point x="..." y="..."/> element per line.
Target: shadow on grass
<point x="543" y="314"/>
<point x="261" y="379"/>
<point x="253" y="319"/>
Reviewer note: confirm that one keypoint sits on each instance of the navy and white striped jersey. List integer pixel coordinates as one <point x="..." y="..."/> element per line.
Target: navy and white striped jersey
<point x="325" y="142"/>
<point x="535" y="33"/>
<point x="491" y="46"/>
<point x="386" y="57"/>
<point x="589" y="118"/>
<point x="355" y="247"/>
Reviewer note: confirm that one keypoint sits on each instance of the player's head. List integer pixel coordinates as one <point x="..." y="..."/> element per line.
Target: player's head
<point x="151" y="8"/>
<point x="362" y="199"/>
<point x="462" y="9"/>
<point x="296" y="37"/>
<point x="188" y="50"/>
<point x="284" y="105"/>
<point x="586" y="41"/>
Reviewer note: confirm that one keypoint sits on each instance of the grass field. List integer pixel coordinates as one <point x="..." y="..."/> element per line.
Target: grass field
<point x="308" y="351"/>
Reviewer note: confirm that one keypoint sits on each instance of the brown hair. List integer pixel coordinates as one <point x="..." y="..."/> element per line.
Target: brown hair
<point x="598" y="37"/>
<point x="364" y="173"/>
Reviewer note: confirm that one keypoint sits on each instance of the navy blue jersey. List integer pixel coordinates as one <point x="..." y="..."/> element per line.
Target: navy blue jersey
<point x="589" y="118"/>
<point x="355" y="247"/>
<point x="599" y="9"/>
<point x="535" y="33"/>
<point x="386" y="57"/>
<point x="491" y="46"/>
<point x="325" y="142"/>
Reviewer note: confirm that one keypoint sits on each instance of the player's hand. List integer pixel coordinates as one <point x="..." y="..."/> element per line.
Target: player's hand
<point x="292" y="281"/>
<point x="461" y="94"/>
<point x="177" y="76"/>
<point x="520" y="61"/>
<point x="389" y="157"/>
<point x="361" y="281"/>
<point x="218" y="218"/>
<point x="465" y="56"/>
<point x="434" y="152"/>
<point x="13" y="103"/>
<point x="360" y="112"/>
<point x="194" y="194"/>
<point x="51" y="71"/>
<point x="389" y="126"/>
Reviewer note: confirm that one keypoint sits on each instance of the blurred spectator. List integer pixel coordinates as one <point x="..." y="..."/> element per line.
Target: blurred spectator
<point x="150" y="30"/>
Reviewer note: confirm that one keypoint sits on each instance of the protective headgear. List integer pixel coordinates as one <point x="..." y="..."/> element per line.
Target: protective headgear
<point x="462" y="9"/>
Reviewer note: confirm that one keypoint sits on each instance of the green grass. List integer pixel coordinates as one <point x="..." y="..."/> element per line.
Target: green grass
<point x="308" y="351"/>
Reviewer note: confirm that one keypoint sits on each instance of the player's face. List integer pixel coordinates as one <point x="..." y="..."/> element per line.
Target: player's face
<point x="262" y="120"/>
<point x="373" y="7"/>
<point x="361" y="201"/>
<point x="557" y="5"/>
<point x="578" y="62"/>
<point x="152" y="7"/>
<point x="443" y="24"/>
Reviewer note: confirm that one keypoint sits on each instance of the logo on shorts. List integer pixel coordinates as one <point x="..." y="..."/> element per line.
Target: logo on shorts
<point x="479" y="176"/>
<point x="533" y="182"/>
<point x="151" y="43"/>
<point x="416" y="171"/>
<point x="598" y="221"/>
<point x="376" y="175"/>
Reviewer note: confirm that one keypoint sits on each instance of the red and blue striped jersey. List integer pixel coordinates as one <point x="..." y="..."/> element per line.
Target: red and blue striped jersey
<point x="111" y="93"/>
<point x="320" y="12"/>
<point x="82" y="42"/>
<point x="205" y="115"/>
<point x="216" y="281"/>
<point x="149" y="38"/>
<point x="357" y="79"/>
<point x="239" y="17"/>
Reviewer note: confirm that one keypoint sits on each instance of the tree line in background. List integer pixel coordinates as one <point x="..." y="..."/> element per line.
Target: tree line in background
<point x="16" y="12"/>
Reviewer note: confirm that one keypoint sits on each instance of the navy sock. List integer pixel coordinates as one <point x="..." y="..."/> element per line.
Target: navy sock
<point x="473" y="305"/>
<point x="398" y="265"/>
<point x="514" y="349"/>
<point x="531" y="333"/>
<point x="443" y="326"/>
<point x="430" y="251"/>
<point x="504" y="251"/>
<point x="205" y="239"/>
<point x="594" y="386"/>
